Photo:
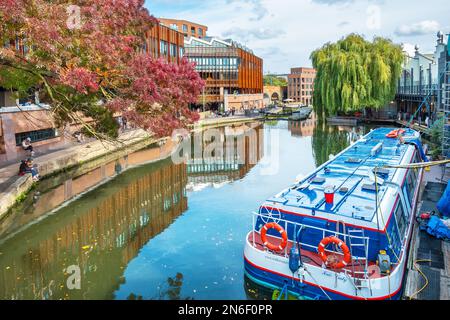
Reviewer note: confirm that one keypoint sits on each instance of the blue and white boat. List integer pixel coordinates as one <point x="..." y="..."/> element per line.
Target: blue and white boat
<point x="350" y="241"/>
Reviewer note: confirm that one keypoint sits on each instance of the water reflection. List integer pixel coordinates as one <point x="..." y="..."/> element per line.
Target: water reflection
<point x="330" y="140"/>
<point x="99" y="233"/>
<point x="236" y="151"/>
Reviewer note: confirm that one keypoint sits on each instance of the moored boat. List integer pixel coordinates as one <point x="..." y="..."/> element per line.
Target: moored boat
<point x="343" y="232"/>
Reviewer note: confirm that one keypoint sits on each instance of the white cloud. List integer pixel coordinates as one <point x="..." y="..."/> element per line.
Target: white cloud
<point x="417" y="29"/>
<point x="409" y="49"/>
<point x="285" y="32"/>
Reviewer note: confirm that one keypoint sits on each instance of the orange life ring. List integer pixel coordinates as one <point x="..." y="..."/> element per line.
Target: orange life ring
<point x="395" y="133"/>
<point x="341" y="244"/>
<point x="269" y="245"/>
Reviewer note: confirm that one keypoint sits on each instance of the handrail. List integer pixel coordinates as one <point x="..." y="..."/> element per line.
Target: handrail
<point x="285" y="223"/>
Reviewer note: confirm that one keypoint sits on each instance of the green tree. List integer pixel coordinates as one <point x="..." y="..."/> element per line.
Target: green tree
<point x="270" y="80"/>
<point x="353" y="74"/>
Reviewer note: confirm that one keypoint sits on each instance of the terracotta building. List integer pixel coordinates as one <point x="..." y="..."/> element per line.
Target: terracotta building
<point x="189" y="29"/>
<point x="233" y="73"/>
<point x="301" y="85"/>
<point x="162" y="41"/>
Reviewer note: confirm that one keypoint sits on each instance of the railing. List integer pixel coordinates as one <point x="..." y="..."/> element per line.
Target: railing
<point x="325" y="233"/>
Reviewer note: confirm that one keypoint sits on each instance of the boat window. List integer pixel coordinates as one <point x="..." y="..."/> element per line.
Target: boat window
<point x="401" y="220"/>
<point x="406" y="193"/>
<point x="411" y="182"/>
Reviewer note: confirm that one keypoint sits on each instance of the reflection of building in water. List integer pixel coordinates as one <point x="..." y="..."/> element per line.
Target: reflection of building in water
<point x="100" y="233"/>
<point x="303" y="128"/>
<point x="240" y="149"/>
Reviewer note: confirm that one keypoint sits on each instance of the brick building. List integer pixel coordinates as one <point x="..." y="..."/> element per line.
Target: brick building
<point x="187" y="28"/>
<point x="301" y="85"/>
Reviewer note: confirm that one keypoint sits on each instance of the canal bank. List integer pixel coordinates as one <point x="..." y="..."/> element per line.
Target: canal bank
<point x="14" y="189"/>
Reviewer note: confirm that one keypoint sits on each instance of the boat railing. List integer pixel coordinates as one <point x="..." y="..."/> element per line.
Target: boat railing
<point x="286" y="224"/>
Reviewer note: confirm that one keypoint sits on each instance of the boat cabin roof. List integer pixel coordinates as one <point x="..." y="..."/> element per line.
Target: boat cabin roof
<point x="351" y="175"/>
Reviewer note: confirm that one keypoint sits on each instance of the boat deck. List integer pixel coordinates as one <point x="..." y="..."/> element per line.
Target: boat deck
<point x="309" y="257"/>
<point x="351" y="175"/>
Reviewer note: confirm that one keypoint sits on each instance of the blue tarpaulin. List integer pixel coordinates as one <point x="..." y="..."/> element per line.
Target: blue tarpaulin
<point x="438" y="229"/>
<point x="444" y="204"/>
<point x="416" y="141"/>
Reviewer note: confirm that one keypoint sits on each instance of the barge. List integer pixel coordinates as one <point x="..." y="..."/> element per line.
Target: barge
<point x="344" y="231"/>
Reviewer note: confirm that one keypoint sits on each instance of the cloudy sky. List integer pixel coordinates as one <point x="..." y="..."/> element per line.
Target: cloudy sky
<point x="285" y="32"/>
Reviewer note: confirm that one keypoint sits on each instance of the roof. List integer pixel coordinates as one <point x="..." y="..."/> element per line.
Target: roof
<point x="350" y="173"/>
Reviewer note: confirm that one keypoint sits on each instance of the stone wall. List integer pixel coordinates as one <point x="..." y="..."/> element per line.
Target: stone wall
<point x="245" y="101"/>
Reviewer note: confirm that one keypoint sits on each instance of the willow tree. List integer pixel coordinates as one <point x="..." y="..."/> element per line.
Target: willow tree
<point x="353" y="74"/>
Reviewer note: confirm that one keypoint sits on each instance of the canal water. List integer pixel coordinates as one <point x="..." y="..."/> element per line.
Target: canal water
<point x="164" y="230"/>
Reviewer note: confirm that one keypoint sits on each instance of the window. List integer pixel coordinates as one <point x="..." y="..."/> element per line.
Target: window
<point x="200" y="31"/>
<point x="173" y="50"/>
<point x="36" y="136"/>
<point x="411" y="183"/>
<point x="164" y="48"/>
<point x="185" y="28"/>
<point x="193" y="30"/>
<point x="401" y="220"/>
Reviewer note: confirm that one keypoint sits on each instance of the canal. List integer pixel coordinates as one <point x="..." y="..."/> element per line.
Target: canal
<point x="163" y="230"/>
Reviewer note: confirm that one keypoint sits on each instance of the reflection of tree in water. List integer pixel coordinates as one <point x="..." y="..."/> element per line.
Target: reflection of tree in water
<point x="328" y="140"/>
<point x="172" y="292"/>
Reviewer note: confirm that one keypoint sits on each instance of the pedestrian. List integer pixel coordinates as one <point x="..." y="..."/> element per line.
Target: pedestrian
<point x="124" y="123"/>
<point x="27" y="146"/>
<point x="427" y="122"/>
<point x="79" y="136"/>
<point x="120" y="123"/>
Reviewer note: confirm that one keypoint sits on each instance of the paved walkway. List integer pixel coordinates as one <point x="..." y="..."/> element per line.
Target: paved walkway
<point x="70" y="155"/>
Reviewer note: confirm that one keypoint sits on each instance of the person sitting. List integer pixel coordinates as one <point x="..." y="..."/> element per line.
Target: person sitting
<point x="23" y="169"/>
<point x="32" y="169"/>
<point x="27" y="146"/>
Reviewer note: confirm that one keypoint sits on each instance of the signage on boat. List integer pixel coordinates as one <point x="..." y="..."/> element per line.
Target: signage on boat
<point x="340" y="277"/>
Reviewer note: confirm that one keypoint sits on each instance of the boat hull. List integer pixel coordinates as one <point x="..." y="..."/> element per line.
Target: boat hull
<point x="317" y="283"/>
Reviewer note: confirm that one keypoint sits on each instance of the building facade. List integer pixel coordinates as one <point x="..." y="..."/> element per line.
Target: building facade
<point x="233" y="73"/>
<point x="162" y="41"/>
<point x="422" y="80"/>
<point x="187" y="28"/>
<point x="301" y="85"/>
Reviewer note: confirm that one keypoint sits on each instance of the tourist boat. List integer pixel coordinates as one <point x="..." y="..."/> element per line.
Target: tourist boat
<point x="301" y="114"/>
<point x="344" y="231"/>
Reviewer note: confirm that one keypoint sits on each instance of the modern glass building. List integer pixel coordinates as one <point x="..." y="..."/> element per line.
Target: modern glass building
<point x="228" y="69"/>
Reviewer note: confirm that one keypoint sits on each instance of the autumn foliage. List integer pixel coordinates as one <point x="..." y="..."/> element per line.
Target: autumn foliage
<point x="85" y="59"/>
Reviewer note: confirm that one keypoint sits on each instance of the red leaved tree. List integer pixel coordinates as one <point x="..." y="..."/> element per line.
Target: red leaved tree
<point x="85" y="59"/>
